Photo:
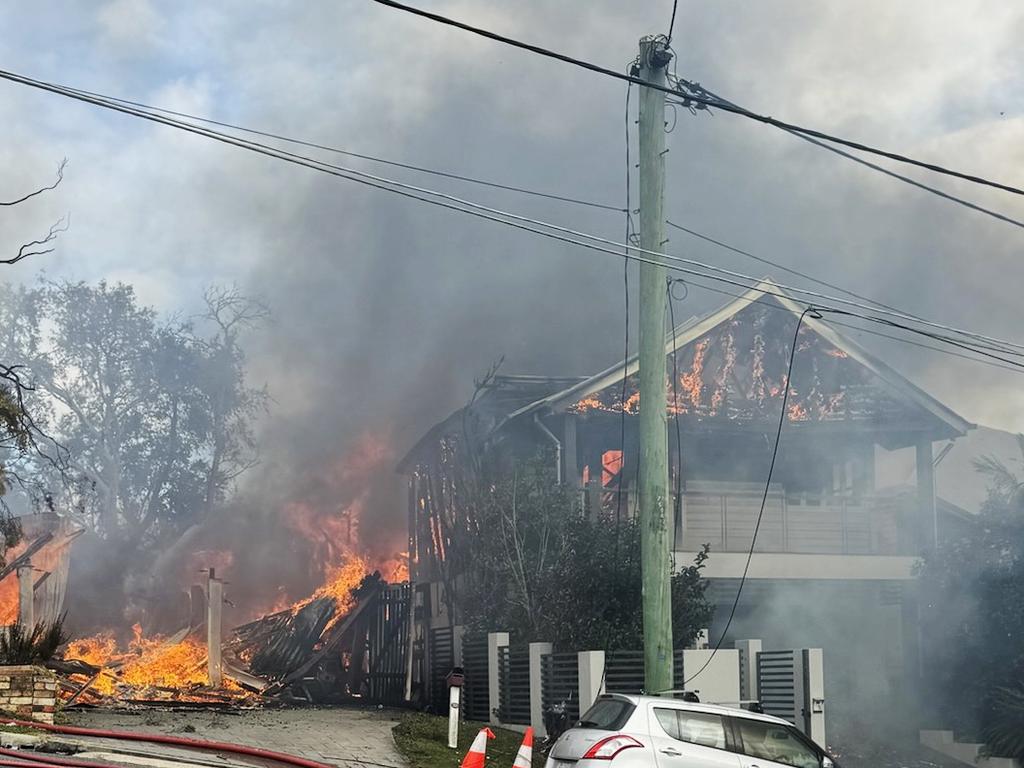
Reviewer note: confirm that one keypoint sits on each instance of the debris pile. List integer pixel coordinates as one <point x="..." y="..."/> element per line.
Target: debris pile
<point x="313" y="651"/>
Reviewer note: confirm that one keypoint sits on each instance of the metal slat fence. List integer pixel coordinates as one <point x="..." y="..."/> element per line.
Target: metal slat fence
<point x="560" y="673"/>
<point x="776" y="675"/>
<point x="442" y="658"/>
<point x="476" y="692"/>
<point x="514" y="677"/>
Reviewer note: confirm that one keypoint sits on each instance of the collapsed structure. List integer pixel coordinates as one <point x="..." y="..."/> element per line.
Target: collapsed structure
<point x="835" y="553"/>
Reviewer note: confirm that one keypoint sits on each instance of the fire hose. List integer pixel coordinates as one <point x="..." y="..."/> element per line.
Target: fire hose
<point x="152" y="738"/>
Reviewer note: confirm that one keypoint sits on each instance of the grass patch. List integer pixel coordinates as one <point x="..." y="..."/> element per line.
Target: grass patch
<point x="423" y="740"/>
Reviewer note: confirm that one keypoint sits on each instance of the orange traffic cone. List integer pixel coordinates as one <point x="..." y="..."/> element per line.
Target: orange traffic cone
<point x="477" y="755"/>
<point x="524" y="757"/>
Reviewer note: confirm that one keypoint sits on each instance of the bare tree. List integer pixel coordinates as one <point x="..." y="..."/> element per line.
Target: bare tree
<point x="19" y="433"/>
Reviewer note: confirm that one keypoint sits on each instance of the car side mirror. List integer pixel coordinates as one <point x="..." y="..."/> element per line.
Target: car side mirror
<point x="826" y="762"/>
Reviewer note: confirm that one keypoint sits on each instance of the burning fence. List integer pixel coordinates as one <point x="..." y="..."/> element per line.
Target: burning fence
<point x="322" y="623"/>
<point x="323" y="648"/>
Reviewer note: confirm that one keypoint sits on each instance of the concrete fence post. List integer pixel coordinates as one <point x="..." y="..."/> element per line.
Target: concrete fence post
<point x="813" y="706"/>
<point x="214" y="608"/>
<point x="495" y="641"/>
<point x="591" y="678"/>
<point x="537" y="653"/>
<point x="749" y="650"/>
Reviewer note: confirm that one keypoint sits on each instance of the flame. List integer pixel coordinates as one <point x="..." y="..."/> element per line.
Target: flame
<point x="588" y="403"/>
<point x="97" y="650"/>
<point x="692" y="382"/>
<point x="160" y="664"/>
<point x="797" y="412"/>
<point x="339" y="585"/>
<point x="724" y="372"/>
<point x="151" y="667"/>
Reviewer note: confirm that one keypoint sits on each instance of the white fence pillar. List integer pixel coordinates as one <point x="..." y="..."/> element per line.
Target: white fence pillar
<point x="792" y="686"/>
<point x="749" y="649"/>
<point x="719" y="682"/>
<point x="591" y="678"/>
<point x="702" y="641"/>
<point x="537" y="653"/>
<point x="813" y="708"/>
<point x="495" y="641"/>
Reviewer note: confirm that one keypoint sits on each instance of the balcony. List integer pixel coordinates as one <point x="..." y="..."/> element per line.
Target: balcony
<point x="724" y="515"/>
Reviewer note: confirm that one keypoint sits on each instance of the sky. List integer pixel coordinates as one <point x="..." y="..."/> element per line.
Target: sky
<point x="384" y="309"/>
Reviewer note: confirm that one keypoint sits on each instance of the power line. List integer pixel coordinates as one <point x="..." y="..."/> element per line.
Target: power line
<point x="777" y="265"/>
<point x="672" y="21"/>
<point x="696" y="87"/>
<point x="767" y="120"/>
<point x="764" y="497"/>
<point x="122" y="106"/>
<point x="349" y="153"/>
<point x="779" y="308"/>
<point x="509" y="219"/>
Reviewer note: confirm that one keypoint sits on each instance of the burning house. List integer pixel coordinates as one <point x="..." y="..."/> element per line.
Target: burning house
<point x="834" y="558"/>
<point x="34" y="580"/>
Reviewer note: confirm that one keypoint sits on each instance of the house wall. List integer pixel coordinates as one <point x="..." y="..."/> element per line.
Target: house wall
<point x="858" y="626"/>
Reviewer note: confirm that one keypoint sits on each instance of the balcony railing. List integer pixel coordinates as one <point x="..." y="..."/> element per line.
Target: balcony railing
<point x="724" y="515"/>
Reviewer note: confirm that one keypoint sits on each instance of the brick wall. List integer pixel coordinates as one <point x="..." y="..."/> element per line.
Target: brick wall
<point x="28" y="692"/>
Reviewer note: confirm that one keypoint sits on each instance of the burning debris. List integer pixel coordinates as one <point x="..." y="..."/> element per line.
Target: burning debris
<point x="316" y="650"/>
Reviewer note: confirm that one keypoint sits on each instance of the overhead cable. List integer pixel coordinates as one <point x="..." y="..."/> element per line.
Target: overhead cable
<point x="766" y="119"/>
<point x="536" y="226"/>
<point x="350" y="153"/>
<point x="696" y="87"/>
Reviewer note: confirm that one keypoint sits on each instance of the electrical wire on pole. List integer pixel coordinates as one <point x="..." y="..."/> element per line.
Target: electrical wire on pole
<point x="766" y="119"/>
<point x="978" y="343"/>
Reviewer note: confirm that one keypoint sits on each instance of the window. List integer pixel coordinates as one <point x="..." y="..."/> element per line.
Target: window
<point x="778" y="743"/>
<point x="607" y="714"/>
<point x="692" y="727"/>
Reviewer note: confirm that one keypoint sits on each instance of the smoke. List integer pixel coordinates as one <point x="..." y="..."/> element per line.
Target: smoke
<point x="385" y="309"/>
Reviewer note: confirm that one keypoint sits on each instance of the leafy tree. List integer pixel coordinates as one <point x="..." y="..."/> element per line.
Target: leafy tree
<point x="537" y="566"/>
<point x="973" y="614"/>
<point x="155" y="415"/>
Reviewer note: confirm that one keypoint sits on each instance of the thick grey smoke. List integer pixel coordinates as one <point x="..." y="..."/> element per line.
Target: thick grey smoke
<point x="385" y="308"/>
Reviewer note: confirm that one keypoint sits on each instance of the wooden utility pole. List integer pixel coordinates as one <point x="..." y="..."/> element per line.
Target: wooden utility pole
<point x="655" y="555"/>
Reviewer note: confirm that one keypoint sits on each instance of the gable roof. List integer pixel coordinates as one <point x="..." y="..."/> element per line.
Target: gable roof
<point x="692" y="330"/>
<point x="501" y="396"/>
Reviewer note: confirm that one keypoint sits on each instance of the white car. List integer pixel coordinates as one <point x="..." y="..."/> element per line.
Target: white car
<point x="622" y="731"/>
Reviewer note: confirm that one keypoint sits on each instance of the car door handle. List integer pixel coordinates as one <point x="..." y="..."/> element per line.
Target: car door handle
<point x="671" y="752"/>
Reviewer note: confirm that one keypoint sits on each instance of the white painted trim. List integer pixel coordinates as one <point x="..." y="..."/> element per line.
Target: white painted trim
<point x="771" y="565"/>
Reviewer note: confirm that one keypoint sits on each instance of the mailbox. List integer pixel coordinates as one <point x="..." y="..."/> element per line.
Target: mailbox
<point x="456" y="678"/>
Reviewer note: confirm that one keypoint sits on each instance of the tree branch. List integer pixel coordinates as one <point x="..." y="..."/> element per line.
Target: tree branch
<point x="41" y="190"/>
<point x="25" y="251"/>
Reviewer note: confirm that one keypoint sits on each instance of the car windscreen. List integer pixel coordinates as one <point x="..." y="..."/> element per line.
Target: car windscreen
<point x="607" y="714"/>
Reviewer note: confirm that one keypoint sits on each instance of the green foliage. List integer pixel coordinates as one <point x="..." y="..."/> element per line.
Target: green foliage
<point x="973" y="614"/>
<point x="538" y="567"/>
<point x="1003" y="731"/>
<point x="155" y="414"/>
<point x="19" y="645"/>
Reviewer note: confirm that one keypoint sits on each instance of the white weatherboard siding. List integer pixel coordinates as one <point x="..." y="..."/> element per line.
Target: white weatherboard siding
<point x="770" y="565"/>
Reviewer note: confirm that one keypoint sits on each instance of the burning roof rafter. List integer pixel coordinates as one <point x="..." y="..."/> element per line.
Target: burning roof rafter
<point x="731" y="363"/>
